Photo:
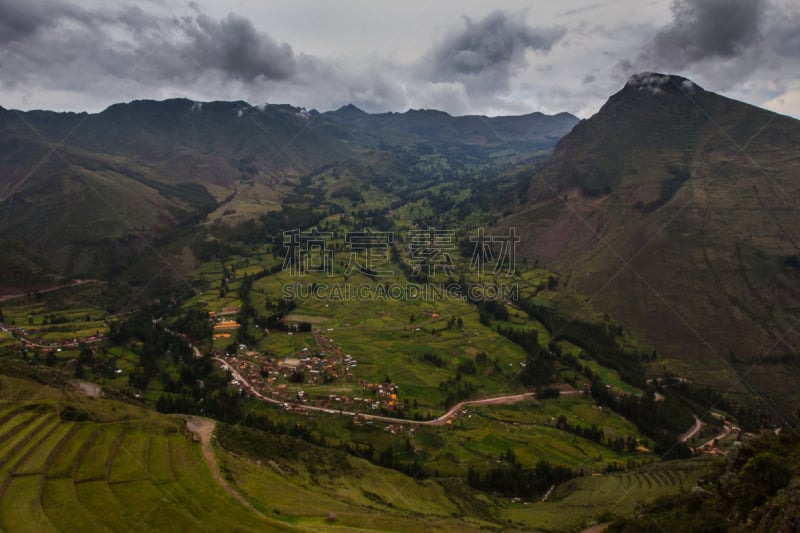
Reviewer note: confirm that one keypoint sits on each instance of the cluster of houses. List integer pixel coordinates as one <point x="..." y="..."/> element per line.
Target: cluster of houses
<point x="34" y="338"/>
<point x="223" y="327"/>
<point x="377" y="396"/>
<point x="282" y="379"/>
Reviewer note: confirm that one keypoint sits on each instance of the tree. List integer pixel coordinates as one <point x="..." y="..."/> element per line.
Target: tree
<point x="86" y="356"/>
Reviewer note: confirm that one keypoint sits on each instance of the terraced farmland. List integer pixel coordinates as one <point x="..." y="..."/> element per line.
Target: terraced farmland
<point x="74" y="463"/>
<point x="58" y="475"/>
<point x="578" y="502"/>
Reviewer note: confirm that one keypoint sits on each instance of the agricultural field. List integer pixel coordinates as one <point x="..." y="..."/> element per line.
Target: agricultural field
<point x="478" y="435"/>
<point x="68" y="463"/>
<point x="59" y="321"/>
<point x="360" y="495"/>
<point x="296" y="471"/>
<point x="387" y="336"/>
<point x="588" y="500"/>
<point x="398" y="345"/>
<point x="72" y="464"/>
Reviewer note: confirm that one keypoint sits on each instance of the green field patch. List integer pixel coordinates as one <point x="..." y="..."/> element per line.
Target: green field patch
<point x="610" y="377"/>
<point x="101" y="503"/>
<point x="19" y="422"/>
<point x="276" y="494"/>
<point x="93" y="463"/>
<point x="66" y="456"/>
<point x="8" y="411"/>
<point x="130" y="459"/>
<point x="23" y="438"/>
<point x="156" y="506"/>
<point x="578" y="502"/>
<point x="311" y="319"/>
<point x="20" y="507"/>
<point x="64" y="510"/>
<point x="197" y="492"/>
<point x="159" y="464"/>
<point x="36" y="462"/>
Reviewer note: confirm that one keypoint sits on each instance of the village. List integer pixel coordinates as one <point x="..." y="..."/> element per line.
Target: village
<point x="286" y="378"/>
<point x="33" y="338"/>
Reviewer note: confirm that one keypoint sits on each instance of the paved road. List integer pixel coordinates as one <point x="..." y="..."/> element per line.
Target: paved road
<point x="692" y="431"/>
<point x="439" y="421"/>
<point x="726" y="430"/>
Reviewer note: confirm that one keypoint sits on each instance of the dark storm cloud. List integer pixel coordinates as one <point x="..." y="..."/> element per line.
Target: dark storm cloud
<point x="485" y="55"/>
<point x="706" y="30"/>
<point x="783" y="35"/>
<point x="21" y="19"/>
<point x="44" y="40"/>
<point x="24" y="20"/>
<point x="234" y="46"/>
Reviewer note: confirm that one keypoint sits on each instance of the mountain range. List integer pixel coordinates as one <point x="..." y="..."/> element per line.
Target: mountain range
<point x="86" y="193"/>
<point x="673" y="209"/>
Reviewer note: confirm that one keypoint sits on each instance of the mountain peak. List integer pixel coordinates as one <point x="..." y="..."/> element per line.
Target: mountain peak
<point x="350" y="108"/>
<point x="656" y="83"/>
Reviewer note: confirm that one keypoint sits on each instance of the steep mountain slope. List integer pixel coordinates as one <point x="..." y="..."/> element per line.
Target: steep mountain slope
<point x="82" y="212"/>
<point x="676" y="209"/>
<point x="88" y="192"/>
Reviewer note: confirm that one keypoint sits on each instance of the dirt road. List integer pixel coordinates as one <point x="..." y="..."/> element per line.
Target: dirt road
<point x="204" y="429"/>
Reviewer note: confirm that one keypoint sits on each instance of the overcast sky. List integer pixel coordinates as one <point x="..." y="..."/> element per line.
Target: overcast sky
<point x="498" y="57"/>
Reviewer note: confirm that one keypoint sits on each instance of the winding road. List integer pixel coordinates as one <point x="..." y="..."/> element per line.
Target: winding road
<point x="726" y="430"/>
<point x="438" y="421"/>
<point x="692" y="431"/>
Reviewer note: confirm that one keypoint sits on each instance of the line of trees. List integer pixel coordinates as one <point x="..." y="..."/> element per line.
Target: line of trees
<point x="510" y="478"/>
<point x="596" y="434"/>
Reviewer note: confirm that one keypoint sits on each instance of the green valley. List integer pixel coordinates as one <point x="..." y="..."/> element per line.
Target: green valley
<point x="223" y="316"/>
